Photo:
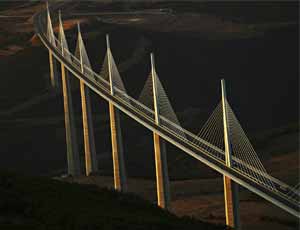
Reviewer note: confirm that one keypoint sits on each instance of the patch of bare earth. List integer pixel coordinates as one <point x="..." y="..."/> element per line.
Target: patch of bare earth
<point x="203" y="199"/>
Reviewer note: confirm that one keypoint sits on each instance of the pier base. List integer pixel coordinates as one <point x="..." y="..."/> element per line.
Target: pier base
<point x="120" y="182"/>
<point x="91" y="164"/>
<point x="162" y="178"/>
<point x="71" y="139"/>
<point x="231" y="203"/>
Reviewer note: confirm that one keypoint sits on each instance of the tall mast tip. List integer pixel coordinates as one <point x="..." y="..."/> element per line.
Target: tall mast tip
<point x="59" y="16"/>
<point x="152" y="59"/>
<point x="107" y="41"/>
<point x="223" y="82"/>
<point x="78" y="26"/>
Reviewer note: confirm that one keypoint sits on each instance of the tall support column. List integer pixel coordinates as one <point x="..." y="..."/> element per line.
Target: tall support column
<point x="230" y="187"/>
<point x="71" y="139"/>
<point x="120" y="182"/>
<point x="161" y="167"/>
<point x="72" y="149"/>
<point x="88" y="131"/>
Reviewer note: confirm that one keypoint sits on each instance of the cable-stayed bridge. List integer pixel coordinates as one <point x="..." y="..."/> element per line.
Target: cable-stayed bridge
<point x="221" y="144"/>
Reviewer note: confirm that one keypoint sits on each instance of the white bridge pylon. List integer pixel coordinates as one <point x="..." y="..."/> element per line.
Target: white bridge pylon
<point x="230" y="187"/>
<point x="162" y="177"/>
<point x="70" y="126"/>
<point x="221" y="143"/>
<point x="120" y="181"/>
<point x="91" y="165"/>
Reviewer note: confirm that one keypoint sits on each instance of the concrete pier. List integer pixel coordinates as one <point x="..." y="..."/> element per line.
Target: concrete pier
<point x="161" y="166"/>
<point x="230" y="187"/>
<point x="71" y="139"/>
<point x="161" y="169"/>
<point x="91" y="164"/>
<point x="120" y="181"/>
<point x="231" y="203"/>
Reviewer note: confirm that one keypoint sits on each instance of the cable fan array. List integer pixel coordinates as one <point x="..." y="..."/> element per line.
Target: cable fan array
<point x="213" y="131"/>
<point x="63" y="41"/>
<point x="117" y="82"/>
<point x="167" y="115"/>
<point x="80" y="52"/>
<point x="294" y="193"/>
<point x="244" y="157"/>
<point x="50" y="33"/>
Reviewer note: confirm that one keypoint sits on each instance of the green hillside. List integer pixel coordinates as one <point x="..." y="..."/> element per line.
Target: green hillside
<point x="42" y="203"/>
